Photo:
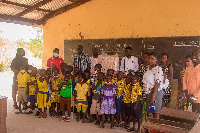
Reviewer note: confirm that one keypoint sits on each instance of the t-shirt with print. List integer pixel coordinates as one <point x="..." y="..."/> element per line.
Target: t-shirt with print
<point x="81" y="91"/>
<point x="66" y="91"/>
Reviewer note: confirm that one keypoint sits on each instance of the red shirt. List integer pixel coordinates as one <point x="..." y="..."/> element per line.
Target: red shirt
<point x="57" y="62"/>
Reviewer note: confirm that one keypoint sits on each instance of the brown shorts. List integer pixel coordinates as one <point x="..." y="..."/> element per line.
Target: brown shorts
<point x="22" y="96"/>
<point x="65" y="102"/>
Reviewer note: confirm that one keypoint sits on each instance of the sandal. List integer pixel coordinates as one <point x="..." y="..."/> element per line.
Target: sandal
<point x="83" y="121"/>
<point x="121" y="125"/>
<point x="37" y="113"/>
<point x="78" y="119"/>
<point x="112" y="126"/>
<point x="62" y="118"/>
<point x="29" y="112"/>
<point x="45" y="115"/>
<point x="18" y="112"/>
<point x="97" y="122"/>
<point x="68" y="119"/>
<point x="130" y="129"/>
<point x="102" y="126"/>
<point x="40" y="115"/>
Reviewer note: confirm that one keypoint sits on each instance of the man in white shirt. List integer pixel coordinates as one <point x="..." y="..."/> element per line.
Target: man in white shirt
<point x="95" y="59"/>
<point x="129" y="63"/>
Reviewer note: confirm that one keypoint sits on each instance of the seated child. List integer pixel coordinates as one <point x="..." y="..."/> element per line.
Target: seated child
<point x="42" y="93"/>
<point x="96" y="98"/>
<point x="136" y="105"/>
<point x="126" y="100"/>
<point x="32" y="89"/>
<point x="108" y="101"/>
<point x="80" y="94"/>
<point x="65" y="96"/>
<point x="22" y="80"/>
<point x="120" y="89"/>
<point x="55" y="95"/>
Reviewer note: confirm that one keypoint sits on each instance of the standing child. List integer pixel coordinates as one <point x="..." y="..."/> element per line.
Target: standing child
<point x="65" y="96"/>
<point x="96" y="98"/>
<point x="62" y="71"/>
<point x="136" y="105"/>
<point x="113" y="80"/>
<point x="55" y="95"/>
<point x="22" y="80"/>
<point x="32" y="89"/>
<point x="108" y="101"/>
<point x="120" y="88"/>
<point x="80" y="94"/>
<point x="42" y="93"/>
<point x="126" y="100"/>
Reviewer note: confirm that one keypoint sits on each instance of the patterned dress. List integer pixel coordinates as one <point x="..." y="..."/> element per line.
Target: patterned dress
<point x="108" y="101"/>
<point x="55" y="96"/>
<point x="167" y="91"/>
<point x="141" y="72"/>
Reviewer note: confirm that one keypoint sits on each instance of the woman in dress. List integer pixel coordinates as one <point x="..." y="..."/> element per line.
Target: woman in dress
<point x="168" y="74"/>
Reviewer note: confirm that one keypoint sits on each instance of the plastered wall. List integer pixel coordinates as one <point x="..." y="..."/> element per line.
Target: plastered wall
<point x="100" y="19"/>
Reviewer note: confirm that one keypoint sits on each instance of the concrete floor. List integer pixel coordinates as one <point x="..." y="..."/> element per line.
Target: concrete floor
<point x="19" y="123"/>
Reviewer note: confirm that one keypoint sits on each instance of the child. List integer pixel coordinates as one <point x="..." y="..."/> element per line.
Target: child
<point x="120" y="87"/>
<point x="108" y="101"/>
<point x="96" y="98"/>
<point x="29" y="70"/>
<point x="65" y="96"/>
<point x="125" y="107"/>
<point x="42" y="93"/>
<point x="32" y="89"/>
<point x="22" y="80"/>
<point x="55" y="95"/>
<point x="80" y="94"/>
<point x="111" y="72"/>
<point x="62" y="71"/>
<point x="136" y="105"/>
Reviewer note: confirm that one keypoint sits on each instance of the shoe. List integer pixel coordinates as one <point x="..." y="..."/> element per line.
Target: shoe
<point x="40" y="115"/>
<point x="62" y="118"/>
<point x="45" y="115"/>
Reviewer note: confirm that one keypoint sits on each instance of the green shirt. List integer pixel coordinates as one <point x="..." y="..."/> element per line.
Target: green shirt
<point x="66" y="91"/>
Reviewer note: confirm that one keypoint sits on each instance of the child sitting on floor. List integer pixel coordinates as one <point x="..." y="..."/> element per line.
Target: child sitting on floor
<point x="80" y="94"/>
<point x="108" y="101"/>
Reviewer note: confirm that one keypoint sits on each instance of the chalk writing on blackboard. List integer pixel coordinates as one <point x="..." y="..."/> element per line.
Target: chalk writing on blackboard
<point x="189" y="44"/>
<point x="149" y="47"/>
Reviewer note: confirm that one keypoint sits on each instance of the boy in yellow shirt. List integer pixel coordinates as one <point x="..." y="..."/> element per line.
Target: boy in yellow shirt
<point x="22" y="79"/>
<point x="80" y="94"/>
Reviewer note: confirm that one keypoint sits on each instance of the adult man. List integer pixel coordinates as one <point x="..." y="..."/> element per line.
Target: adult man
<point x="95" y="59"/>
<point x="129" y="63"/>
<point x="55" y="59"/>
<point x="81" y="60"/>
<point x="18" y="61"/>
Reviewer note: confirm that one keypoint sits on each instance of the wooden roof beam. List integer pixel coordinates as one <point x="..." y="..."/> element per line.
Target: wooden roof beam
<point x="19" y="19"/>
<point x="23" y="5"/>
<point x="63" y="9"/>
<point x="31" y="8"/>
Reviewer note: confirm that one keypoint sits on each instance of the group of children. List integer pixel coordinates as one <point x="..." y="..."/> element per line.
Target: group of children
<point x="91" y="97"/>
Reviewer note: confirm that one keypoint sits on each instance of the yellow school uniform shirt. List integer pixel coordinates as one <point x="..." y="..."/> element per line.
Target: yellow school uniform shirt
<point x="42" y="86"/>
<point x="22" y="79"/>
<point x="32" y="88"/>
<point x="136" y="91"/>
<point x="120" y="87"/>
<point x="126" y="94"/>
<point x="81" y="91"/>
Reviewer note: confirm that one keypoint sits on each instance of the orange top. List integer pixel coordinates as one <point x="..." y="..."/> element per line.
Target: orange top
<point x="196" y="90"/>
<point x="188" y="80"/>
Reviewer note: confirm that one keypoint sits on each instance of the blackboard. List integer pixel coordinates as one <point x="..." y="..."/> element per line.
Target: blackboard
<point x="176" y="47"/>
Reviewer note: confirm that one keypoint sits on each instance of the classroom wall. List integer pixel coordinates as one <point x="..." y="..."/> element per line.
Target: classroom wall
<point x="102" y="19"/>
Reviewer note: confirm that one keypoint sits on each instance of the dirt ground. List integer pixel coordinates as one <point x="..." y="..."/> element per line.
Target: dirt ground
<point x="19" y="123"/>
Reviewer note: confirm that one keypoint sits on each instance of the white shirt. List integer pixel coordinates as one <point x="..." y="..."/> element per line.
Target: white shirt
<point x="129" y="64"/>
<point x="152" y="76"/>
<point x="95" y="61"/>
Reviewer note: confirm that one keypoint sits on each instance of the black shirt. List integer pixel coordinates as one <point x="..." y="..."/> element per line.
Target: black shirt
<point x="17" y="62"/>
